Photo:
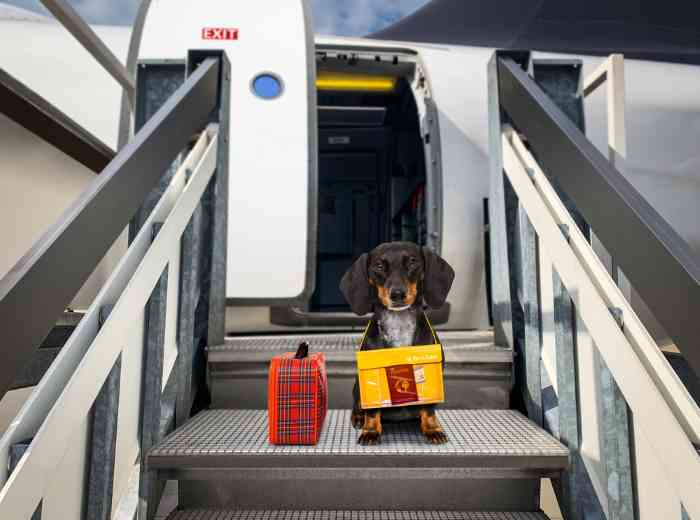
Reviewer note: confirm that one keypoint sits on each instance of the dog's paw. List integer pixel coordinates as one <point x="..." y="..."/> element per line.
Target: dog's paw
<point x="435" y="437"/>
<point x="357" y="419"/>
<point x="369" y="438"/>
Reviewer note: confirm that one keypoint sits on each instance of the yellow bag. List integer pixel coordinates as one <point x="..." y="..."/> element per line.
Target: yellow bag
<point x="400" y="376"/>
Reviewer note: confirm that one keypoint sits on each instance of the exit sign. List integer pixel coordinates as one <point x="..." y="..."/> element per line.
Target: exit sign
<point x="219" y="33"/>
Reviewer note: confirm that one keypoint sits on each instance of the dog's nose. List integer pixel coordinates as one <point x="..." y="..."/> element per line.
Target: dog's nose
<point x="398" y="295"/>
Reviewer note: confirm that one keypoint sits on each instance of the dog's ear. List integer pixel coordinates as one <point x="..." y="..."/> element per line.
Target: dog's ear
<point x="437" y="279"/>
<point x="356" y="288"/>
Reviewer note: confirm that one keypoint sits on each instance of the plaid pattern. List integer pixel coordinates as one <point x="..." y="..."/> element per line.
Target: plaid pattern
<point x="297" y="398"/>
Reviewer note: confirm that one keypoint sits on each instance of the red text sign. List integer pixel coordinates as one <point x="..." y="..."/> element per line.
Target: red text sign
<point x="219" y="33"/>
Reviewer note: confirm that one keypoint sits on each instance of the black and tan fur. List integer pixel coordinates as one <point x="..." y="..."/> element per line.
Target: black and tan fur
<point x="395" y="281"/>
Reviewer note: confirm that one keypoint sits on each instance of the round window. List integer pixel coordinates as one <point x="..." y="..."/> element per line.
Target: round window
<point x="267" y="86"/>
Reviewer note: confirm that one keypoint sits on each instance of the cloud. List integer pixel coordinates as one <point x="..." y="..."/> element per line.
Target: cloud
<point x="339" y="17"/>
<point x="103" y="12"/>
<point x="359" y="17"/>
<point x="121" y="12"/>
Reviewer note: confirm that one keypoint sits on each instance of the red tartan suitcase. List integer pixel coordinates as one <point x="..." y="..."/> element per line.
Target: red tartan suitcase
<point x="297" y="397"/>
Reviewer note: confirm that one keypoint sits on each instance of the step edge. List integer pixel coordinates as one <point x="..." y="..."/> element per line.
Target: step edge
<point x="284" y="514"/>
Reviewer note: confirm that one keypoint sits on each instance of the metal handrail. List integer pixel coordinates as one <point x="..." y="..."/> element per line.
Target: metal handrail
<point x="28" y="109"/>
<point x="32" y="294"/>
<point x="661" y="407"/>
<point x="658" y="262"/>
<point x="67" y="395"/>
<point x="81" y="31"/>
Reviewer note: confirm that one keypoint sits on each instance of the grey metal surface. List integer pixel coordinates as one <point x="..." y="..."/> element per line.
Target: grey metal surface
<point x="103" y="441"/>
<point x="201" y="514"/>
<point x="50" y="347"/>
<point x="477" y="374"/>
<point x="190" y="290"/>
<point x="157" y="81"/>
<point x="528" y="296"/>
<point x="168" y="403"/>
<point x="433" y="176"/>
<point x="500" y="273"/>
<point x="15" y="455"/>
<point x="152" y="380"/>
<point x="312" y="189"/>
<point x="288" y="342"/>
<point x="32" y="373"/>
<point x="102" y="447"/>
<point x="477" y="439"/>
<point x="562" y="82"/>
<point x="474" y="386"/>
<point x="690" y="379"/>
<point x="575" y="492"/>
<point x="452" y="341"/>
<point x="617" y="448"/>
<point x="28" y="109"/>
<point x="218" y="212"/>
<point x="361" y="489"/>
<point x="296" y="317"/>
<point x="81" y="31"/>
<point x="656" y="260"/>
<point x="82" y="235"/>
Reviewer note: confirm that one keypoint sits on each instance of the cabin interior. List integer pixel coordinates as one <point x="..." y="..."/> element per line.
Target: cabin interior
<point x="371" y="166"/>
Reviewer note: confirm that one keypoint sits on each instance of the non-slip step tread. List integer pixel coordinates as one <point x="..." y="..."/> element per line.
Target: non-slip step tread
<point x="477" y="438"/>
<point x="202" y="514"/>
<point x="459" y="346"/>
<point x="341" y="341"/>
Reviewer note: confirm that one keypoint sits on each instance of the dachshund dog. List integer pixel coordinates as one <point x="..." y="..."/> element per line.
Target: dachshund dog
<point x="394" y="281"/>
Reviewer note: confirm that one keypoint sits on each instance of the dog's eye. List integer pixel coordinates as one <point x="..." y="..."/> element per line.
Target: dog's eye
<point x="412" y="260"/>
<point x="379" y="266"/>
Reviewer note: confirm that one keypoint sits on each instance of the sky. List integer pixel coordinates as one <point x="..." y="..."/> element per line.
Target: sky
<point x="340" y="17"/>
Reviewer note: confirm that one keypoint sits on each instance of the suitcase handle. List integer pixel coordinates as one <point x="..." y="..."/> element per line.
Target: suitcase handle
<point x="302" y="351"/>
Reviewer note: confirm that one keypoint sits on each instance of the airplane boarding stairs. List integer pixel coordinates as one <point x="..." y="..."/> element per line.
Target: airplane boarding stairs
<point x="494" y="459"/>
<point x="119" y="412"/>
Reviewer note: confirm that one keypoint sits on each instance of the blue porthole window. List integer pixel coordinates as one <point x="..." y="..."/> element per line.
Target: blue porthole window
<point x="267" y="86"/>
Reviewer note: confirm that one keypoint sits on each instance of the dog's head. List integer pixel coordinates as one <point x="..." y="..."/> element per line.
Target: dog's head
<point x="397" y="274"/>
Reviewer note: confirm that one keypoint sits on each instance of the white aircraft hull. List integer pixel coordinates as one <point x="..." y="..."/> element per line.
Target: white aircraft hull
<point x="663" y="124"/>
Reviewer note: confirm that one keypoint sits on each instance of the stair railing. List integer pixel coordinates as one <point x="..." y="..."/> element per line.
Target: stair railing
<point x="115" y="388"/>
<point x="634" y="456"/>
<point x="84" y="233"/>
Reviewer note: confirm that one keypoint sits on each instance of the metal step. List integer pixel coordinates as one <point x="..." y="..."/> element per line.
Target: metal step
<point x="493" y="461"/>
<point x="478" y="374"/>
<point x="203" y="514"/>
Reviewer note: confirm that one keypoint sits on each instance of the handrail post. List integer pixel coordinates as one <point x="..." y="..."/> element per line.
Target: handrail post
<point x="201" y="285"/>
<point x="209" y="327"/>
<point x="513" y="256"/>
<point x="618" y="430"/>
<point x="500" y="271"/>
<point x="219" y="215"/>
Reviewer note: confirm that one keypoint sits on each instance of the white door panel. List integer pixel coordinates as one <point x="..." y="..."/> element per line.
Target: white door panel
<point x="272" y="141"/>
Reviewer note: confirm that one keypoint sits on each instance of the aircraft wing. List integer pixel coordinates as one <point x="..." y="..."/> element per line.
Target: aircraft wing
<point x="645" y="29"/>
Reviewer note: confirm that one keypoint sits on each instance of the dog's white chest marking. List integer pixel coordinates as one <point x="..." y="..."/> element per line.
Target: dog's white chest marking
<point x="398" y="328"/>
